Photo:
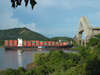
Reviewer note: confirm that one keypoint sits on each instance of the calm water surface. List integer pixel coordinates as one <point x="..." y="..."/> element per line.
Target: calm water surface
<point x="14" y="59"/>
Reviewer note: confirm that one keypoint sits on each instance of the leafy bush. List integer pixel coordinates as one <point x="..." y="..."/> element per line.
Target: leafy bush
<point x="55" y="61"/>
<point x="19" y="71"/>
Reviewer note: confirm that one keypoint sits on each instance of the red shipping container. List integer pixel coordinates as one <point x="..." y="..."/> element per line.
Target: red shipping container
<point x="10" y="40"/>
<point x="29" y="45"/>
<point x="29" y="42"/>
<point x="33" y="41"/>
<point x="37" y="41"/>
<point x="61" y="44"/>
<point x="24" y="43"/>
<point x="15" y="40"/>
<point x="33" y="44"/>
<point x="49" y="42"/>
<point x="57" y="44"/>
<point x="41" y="44"/>
<point x="37" y="44"/>
<point x="6" y="42"/>
<point x="53" y="43"/>
<point x="64" y="43"/>
<point x="45" y="41"/>
<point x="15" y="43"/>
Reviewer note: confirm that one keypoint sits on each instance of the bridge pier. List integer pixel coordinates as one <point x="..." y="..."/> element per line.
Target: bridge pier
<point x="85" y="42"/>
<point x="78" y="41"/>
<point x="81" y="42"/>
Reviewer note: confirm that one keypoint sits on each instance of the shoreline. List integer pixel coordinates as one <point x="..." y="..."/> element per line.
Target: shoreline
<point x="1" y="46"/>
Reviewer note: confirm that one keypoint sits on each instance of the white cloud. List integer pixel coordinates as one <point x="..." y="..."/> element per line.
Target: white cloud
<point x="6" y="20"/>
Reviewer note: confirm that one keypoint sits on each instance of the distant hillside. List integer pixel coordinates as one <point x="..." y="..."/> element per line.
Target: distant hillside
<point x="23" y="33"/>
<point x="61" y="38"/>
<point x="26" y="34"/>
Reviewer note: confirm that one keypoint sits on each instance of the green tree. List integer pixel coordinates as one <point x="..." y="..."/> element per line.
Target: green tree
<point x="19" y="71"/>
<point x="95" y="41"/>
<point x="1" y="42"/>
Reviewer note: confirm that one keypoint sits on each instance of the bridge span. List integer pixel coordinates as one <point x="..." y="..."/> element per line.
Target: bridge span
<point x="89" y="31"/>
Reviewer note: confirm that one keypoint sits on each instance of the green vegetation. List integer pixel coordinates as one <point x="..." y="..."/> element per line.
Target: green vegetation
<point x="77" y="48"/>
<point x="86" y="62"/>
<point x="1" y="42"/>
<point x="61" y="38"/>
<point x="50" y="62"/>
<point x="26" y="34"/>
<point x="90" y="59"/>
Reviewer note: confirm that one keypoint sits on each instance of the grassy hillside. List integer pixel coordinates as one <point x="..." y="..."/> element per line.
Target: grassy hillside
<point x="23" y="33"/>
<point x="61" y="38"/>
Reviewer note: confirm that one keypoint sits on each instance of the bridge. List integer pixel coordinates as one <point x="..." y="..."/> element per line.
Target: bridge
<point x="89" y="31"/>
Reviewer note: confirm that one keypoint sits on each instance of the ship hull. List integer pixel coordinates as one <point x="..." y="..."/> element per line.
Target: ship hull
<point x="37" y="47"/>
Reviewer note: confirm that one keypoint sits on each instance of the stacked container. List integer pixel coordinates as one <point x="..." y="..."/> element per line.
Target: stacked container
<point x="57" y="43"/>
<point x="64" y="43"/>
<point x="29" y="43"/>
<point x="49" y="43"/>
<point x="37" y="43"/>
<point x="61" y="44"/>
<point x="10" y="42"/>
<point x="33" y="43"/>
<point x="68" y="43"/>
<point x="15" y="42"/>
<point x="24" y="43"/>
<point x="45" y="43"/>
<point x="6" y="42"/>
<point x="53" y="43"/>
<point x="41" y="43"/>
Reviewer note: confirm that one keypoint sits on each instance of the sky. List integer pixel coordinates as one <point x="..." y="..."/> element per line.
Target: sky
<point x="50" y="18"/>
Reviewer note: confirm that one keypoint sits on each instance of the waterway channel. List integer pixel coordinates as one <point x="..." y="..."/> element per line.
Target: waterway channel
<point x="14" y="59"/>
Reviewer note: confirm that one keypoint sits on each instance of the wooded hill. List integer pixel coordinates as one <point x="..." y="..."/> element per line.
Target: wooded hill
<point x="61" y="38"/>
<point x="26" y="34"/>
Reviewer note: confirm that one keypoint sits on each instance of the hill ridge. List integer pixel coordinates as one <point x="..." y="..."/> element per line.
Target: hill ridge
<point x="23" y="33"/>
<point x="27" y="34"/>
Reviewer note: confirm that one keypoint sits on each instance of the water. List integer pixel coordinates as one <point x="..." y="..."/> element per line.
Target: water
<point x="14" y="59"/>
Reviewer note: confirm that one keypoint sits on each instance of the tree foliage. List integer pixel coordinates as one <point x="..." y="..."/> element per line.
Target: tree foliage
<point x="90" y="59"/>
<point x="55" y="61"/>
<point x="1" y="42"/>
<point x="16" y="3"/>
<point x="24" y="33"/>
<point x="95" y="41"/>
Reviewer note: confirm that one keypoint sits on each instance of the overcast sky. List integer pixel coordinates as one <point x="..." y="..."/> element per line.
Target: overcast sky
<point x="50" y="18"/>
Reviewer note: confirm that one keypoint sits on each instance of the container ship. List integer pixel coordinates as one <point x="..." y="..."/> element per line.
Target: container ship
<point x="34" y="44"/>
